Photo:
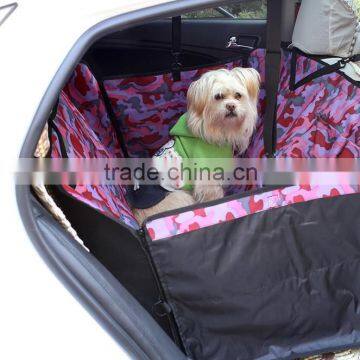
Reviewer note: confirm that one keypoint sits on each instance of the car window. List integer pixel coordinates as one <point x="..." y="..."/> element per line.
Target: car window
<point x="252" y="9"/>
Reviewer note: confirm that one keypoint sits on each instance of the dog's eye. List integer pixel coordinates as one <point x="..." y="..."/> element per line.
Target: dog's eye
<point x="238" y="96"/>
<point x="219" y="96"/>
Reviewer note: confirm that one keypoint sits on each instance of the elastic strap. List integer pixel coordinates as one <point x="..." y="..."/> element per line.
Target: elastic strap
<point x="176" y="48"/>
<point x="325" y="70"/>
<point x="54" y="128"/>
<point x="272" y="72"/>
<point x="108" y="107"/>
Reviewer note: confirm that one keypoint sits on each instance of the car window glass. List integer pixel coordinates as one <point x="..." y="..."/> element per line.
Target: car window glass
<point x="253" y="9"/>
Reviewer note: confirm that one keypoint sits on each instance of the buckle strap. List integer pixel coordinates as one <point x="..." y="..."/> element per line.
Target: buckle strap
<point x="176" y="48"/>
<point x="327" y="69"/>
<point x="272" y="72"/>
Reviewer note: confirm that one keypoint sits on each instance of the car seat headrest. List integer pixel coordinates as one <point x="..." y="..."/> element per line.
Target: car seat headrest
<point x="327" y="27"/>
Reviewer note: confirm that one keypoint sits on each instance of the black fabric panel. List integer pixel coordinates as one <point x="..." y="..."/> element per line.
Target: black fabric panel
<point x="127" y="62"/>
<point x="279" y="284"/>
<point x="146" y="49"/>
<point x="117" y="248"/>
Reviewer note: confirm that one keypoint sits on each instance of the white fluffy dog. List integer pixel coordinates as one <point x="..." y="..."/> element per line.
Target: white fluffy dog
<point x="222" y="106"/>
<point x="222" y="111"/>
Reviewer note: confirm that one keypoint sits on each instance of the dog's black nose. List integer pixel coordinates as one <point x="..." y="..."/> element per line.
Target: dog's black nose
<point x="230" y="107"/>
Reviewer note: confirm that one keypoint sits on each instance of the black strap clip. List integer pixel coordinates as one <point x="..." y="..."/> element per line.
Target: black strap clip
<point x="343" y="62"/>
<point x="162" y="308"/>
<point x="176" y="66"/>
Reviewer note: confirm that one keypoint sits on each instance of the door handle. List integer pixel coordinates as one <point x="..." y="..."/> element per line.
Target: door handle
<point x="232" y="44"/>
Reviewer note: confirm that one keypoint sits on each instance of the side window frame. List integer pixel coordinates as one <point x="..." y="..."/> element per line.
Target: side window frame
<point x="258" y="11"/>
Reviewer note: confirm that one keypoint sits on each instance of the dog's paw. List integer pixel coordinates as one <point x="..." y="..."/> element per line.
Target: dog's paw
<point x="204" y="193"/>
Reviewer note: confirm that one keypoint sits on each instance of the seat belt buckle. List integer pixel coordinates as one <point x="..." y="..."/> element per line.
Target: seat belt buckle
<point x="176" y="66"/>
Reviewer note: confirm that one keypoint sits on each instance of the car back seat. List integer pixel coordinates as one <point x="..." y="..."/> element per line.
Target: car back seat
<point x="145" y="108"/>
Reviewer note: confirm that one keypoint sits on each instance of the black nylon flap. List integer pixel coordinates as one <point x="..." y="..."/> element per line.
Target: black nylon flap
<point x="278" y="284"/>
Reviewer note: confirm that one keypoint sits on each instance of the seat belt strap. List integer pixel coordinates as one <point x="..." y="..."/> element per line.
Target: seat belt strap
<point x="272" y="72"/>
<point x="176" y="48"/>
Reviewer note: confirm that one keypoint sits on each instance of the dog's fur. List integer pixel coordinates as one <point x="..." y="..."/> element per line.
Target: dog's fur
<point x="222" y="110"/>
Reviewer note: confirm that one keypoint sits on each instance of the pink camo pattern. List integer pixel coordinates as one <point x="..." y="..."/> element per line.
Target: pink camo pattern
<point x="146" y="107"/>
<point x="319" y="119"/>
<point x="81" y="141"/>
<point x="172" y="225"/>
<point x="83" y="91"/>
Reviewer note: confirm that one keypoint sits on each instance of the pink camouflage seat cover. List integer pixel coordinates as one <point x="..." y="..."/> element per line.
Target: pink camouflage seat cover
<point x="87" y="132"/>
<point x="202" y="217"/>
<point x="318" y="119"/>
<point x="146" y="107"/>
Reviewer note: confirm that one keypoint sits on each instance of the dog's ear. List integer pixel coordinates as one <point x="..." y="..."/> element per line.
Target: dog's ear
<point x="251" y="79"/>
<point x="196" y="96"/>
